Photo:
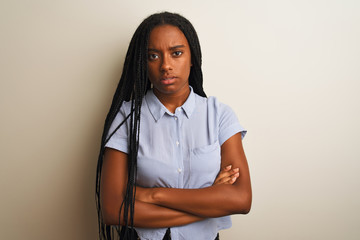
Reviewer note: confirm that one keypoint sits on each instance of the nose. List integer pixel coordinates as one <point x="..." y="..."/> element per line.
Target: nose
<point x="166" y="64"/>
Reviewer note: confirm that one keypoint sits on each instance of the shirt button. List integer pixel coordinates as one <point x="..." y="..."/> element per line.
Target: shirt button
<point x="177" y="143"/>
<point x="175" y="118"/>
<point x="179" y="170"/>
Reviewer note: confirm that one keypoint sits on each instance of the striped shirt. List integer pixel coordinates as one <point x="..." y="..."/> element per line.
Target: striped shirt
<point x="179" y="150"/>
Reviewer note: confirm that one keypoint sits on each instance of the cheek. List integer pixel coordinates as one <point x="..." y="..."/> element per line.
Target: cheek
<point x="186" y="67"/>
<point x="188" y="63"/>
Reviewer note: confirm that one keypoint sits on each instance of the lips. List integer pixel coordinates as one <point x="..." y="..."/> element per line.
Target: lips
<point x="168" y="80"/>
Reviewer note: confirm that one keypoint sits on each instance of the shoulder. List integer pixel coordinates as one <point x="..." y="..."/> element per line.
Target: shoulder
<point x="213" y="104"/>
<point x="225" y="118"/>
<point x="125" y="107"/>
<point x="121" y="115"/>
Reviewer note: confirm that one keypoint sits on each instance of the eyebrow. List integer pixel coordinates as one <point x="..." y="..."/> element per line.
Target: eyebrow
<point x="171" y="48"/>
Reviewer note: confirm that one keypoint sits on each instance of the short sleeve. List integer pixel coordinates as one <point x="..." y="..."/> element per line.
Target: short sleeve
<point x="228" y="124"/>
<point x="119" y="140"/>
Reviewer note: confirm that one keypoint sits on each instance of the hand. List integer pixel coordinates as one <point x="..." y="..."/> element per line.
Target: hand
<point x="227" y="175"/>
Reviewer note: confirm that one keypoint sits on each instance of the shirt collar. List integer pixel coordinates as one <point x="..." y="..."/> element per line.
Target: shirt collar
<point x="157" y="109"/>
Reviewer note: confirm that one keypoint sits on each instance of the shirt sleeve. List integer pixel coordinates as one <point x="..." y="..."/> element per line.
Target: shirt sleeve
<point x="119" y="139"/>
<point x="228" y="124"/>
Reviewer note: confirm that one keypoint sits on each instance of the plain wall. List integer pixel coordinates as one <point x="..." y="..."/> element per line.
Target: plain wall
<point x="289" y="69"/>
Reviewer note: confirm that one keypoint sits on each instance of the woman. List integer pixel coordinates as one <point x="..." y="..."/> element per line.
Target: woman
<point x="171" y="164"/>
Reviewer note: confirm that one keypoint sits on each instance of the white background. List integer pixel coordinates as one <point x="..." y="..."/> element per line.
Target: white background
<point x="289" y="69"/>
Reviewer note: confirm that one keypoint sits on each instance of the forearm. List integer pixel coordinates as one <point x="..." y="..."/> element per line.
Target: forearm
<point x="113" y="185"/>
<point x="214" y="201"/>
<point x="147" y="215"/>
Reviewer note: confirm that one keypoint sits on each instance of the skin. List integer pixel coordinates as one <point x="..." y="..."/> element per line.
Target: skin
<point x="113" y="185"/>
<point x="169" y="68"/>
<point x="169" y="65"/>
<point x="234" y="198"/>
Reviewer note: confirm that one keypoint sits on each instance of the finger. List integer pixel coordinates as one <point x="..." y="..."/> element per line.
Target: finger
<point x="232" y="172"/>
<point x="228" y="180"/>
<point x="227" y="168"/>
<point x="224" y="180"/>
<point x="225" y="172"/>
<point x="233" y="178"/>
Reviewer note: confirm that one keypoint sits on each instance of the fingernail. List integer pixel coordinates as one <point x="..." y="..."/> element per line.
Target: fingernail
<point x="228" y="167"/>
<point x="236" y="169"/>
<point x="236" y="175"/>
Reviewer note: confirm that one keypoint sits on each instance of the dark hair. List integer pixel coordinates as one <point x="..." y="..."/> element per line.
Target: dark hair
<point x="133" y="86"/>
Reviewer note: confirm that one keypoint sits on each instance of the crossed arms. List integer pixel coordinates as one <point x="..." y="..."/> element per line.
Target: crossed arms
<point x="168" y="207"/>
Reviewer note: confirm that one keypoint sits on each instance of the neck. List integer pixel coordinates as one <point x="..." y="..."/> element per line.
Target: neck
<point x="172" y="101"/>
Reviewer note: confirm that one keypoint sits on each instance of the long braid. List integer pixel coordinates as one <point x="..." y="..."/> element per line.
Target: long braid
<point x="132" y="87"/>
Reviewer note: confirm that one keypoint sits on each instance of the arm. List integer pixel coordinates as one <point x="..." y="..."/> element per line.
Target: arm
<point x="113" y="186"/>
<point x="214" y="201"/>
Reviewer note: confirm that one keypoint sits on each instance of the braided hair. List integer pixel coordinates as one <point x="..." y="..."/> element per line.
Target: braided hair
<point x="132" y="87"/>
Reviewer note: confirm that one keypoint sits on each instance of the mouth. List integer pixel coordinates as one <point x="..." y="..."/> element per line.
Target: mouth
<point x="168" y="80"/>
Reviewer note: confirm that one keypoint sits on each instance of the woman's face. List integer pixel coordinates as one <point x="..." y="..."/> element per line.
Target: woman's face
<point x="169" y="60"/>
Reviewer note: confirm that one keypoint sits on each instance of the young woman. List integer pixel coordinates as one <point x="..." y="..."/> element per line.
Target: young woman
<point x="171" y="164"/>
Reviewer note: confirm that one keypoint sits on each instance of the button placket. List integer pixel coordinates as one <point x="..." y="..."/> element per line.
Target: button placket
<point x="179" y="157"/>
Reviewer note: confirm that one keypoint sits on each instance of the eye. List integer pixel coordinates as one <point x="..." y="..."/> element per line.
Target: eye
<point x="153" y="56"/>
<point x="177" y="53"/>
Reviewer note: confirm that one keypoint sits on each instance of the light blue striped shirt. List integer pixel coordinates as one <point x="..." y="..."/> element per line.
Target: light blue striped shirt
<point x="179" y="150"/>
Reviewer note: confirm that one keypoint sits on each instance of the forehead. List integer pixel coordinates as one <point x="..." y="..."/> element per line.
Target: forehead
<point x="167" y="36"/>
